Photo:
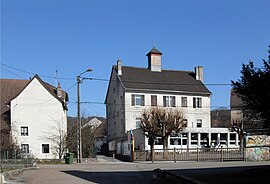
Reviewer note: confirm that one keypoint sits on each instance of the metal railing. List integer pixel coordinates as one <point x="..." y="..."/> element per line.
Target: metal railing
<point x="191" y="154"/>
<point x="10" y="161"/>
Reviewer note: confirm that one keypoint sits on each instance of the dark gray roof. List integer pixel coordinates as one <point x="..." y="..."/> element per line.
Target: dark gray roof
<point x="154" y="51"/>
<point x="167" y="80"/>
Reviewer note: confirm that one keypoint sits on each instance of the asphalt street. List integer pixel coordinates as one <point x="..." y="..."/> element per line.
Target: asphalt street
<point x="107" y="171"/>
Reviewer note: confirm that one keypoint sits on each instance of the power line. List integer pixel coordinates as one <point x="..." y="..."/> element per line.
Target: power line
<point x="125" y="81"/>
<point x="31" y="73"/>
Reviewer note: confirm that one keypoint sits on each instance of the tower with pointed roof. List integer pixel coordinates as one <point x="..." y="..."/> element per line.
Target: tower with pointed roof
<point x="154" y="60"/>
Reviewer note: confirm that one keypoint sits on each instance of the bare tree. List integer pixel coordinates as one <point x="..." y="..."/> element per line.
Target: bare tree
<point x="237" y="126"/>
<point x="58" y="138"/>
<point x="161" y="122"/>
<point x="88" y="142"/>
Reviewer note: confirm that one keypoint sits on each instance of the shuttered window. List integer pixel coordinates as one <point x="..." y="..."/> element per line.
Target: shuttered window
<point x="169" y="101"/>
<point x="153" y="100"/>
<point x="197" y="102"/>
<point x="137" y="100"/>
<point x="183" y="101"/>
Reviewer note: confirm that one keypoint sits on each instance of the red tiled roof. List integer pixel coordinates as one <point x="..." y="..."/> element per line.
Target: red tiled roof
<point x="10" y="88"/>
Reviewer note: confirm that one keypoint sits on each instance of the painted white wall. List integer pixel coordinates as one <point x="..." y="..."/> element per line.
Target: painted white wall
<point x="190" y="113"/>
<point x="37" y="109"/>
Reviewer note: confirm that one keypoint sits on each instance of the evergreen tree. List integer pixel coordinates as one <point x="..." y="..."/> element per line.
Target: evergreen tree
<point x="253" y="88"/>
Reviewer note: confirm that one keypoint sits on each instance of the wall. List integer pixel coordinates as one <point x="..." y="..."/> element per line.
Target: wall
<point x="115" y="109"/>
<point x="257" y="147"/>
<point x="190" y="113"/>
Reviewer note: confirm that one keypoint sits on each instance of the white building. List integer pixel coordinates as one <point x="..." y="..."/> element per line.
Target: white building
<point x="132" y="89"/>
<point x="37" y="111"/>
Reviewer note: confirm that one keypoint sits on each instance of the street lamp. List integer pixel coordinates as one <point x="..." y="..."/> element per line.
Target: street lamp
<point x="79" y="123"/>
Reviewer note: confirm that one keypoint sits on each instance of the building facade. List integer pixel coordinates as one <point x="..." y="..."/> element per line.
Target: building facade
<point x="132" y="89"/>
<point x="37" y="116"/>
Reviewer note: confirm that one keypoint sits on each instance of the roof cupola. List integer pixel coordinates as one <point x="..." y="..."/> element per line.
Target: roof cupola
<point x="154" y="60"/>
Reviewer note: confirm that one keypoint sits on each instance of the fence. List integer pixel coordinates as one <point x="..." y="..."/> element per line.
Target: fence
<point x="191" y="154"/>
<point x="11" y="161"/>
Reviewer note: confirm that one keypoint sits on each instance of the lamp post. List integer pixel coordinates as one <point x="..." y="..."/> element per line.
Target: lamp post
<point x="79" y="123"/>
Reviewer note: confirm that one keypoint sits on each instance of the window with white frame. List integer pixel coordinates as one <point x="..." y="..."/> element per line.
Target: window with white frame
<point x="138" y="122"/>
<point x="24" y="131"/>
<point x="199" y="123"/>
<point x="197" y="102"/>
<point x="45" y="148"/>
<point x="169" y="101"/>
<point x="25" y="148"/>
<point x="194" y="139"/>
<point x="183" y="101"/>
<point x="137" y="100"/>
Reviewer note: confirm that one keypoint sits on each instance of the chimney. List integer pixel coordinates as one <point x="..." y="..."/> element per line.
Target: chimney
<point x="154" y="60"/>
<point x="199" y="73"/>
<point x="119" y="67"/>
<point x="59" y="90"/>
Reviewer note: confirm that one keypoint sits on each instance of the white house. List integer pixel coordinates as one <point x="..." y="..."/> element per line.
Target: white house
<point x="131" y="89"/>
<point x="37" y="114"/>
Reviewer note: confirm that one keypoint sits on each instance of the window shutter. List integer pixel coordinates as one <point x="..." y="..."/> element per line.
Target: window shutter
<point x="164" y="101"/>
<point x="194" y="102"/>
<point x="200" y="102"/>
<point x="173" y="101"/>
<point x="142" y="100"/>
<point x="132" y="100"/>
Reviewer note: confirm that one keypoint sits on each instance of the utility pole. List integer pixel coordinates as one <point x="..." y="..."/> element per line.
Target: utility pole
<point x="79" y="124"/>
<point x="79" y="120"/>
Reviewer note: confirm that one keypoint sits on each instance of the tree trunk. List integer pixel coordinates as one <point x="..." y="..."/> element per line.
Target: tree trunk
<point x="165" y="146"/>
<point x="152" y="143"/>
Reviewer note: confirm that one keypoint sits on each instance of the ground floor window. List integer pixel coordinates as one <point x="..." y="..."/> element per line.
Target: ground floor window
<point x="204" y="139"/>
<point x="232" y="138"/>
<point x="25" y="148"/>
<point x="179" y="139"/>
<point x="223" y="139"/>
<point x="45" y="148"/>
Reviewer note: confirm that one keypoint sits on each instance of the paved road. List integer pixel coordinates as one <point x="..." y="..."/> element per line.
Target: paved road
<point x="105" y="171"/>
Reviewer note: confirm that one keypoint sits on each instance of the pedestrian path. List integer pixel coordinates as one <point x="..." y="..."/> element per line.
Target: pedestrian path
<point x="103" y="158"/>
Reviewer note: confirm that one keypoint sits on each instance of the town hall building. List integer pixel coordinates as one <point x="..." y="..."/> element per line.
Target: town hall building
<point x="132" y="89"/>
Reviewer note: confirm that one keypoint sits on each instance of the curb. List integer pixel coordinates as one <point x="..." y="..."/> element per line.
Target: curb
<point x="13" y="173"/>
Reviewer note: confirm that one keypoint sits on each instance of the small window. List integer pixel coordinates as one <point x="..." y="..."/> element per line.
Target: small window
<point x="24" y="131"/>
<point x="185" y="122"/>
<point x="169" y="101"/>
<point x="45" y="148"/>
<point x="25" y="148"/>
<point x="183" y="101"/>
<point x="153" y="100"/>
<point x="194" y="139"/>
<point x="197" y="102"/>
<point x="199" y="123"/>
<point x="138" y="123"/>
<point x="137" y="100"/>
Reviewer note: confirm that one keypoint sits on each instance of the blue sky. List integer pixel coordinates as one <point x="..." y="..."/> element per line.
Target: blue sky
<point x="72" y="35"/>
